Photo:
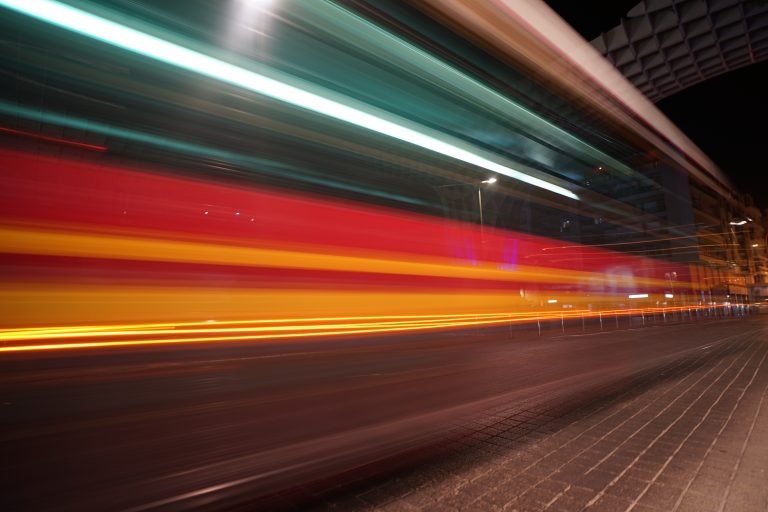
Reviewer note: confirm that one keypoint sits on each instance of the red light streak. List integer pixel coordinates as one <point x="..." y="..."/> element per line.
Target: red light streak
<point x="95" y="265"/>
<point x="55" y="140"/>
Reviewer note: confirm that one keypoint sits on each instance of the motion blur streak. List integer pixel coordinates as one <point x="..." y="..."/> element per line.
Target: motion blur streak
<point x="250" y="248"/>
<point x="162" y="249"/>
<point x="26" y="241"/>
<point x="55" y="140"/>
<point x="22" y="340"/>
<point x="170" y="53"/>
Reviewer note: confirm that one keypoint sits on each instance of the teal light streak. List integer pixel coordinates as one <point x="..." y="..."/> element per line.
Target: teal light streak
<point x="161" y="50"/>
<point x="264" y="166"/>
<point x="381" y="44"/>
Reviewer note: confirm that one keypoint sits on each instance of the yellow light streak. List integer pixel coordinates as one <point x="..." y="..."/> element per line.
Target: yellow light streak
<point x="89" y="245"/>
<point x="379" y="330"/>
<point x="85" y="328"/>
<point x="363" y="325"/>
<point x="138" y="332"/>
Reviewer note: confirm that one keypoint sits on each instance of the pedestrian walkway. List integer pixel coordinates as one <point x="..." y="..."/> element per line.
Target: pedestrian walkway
<point x="691" y="436"/>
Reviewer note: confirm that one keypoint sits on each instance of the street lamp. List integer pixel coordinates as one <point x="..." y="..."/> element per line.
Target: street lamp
<point x="737" y="248"/>
<point x="671" y="277"/>
<point x="489" y="181"/>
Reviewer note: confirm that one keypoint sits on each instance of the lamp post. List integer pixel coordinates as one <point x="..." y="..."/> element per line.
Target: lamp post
<point x="671" y="278"/>
<point x="737" y="251"/>
<point x="489" y="181"/>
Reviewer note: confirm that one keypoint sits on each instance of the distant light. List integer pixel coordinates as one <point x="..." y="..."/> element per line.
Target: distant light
<point x="490" y="181"/>
<point x="738" y="223"/>
<point x="638" y="296"/>
<point x="755" y="245"/>
<point x="552" y="301"/>
<point x="668" y="296"/>
<point x="161" y="50"/>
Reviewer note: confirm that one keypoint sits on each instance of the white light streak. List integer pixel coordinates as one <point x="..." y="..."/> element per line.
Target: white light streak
<point x="161" y="50"/>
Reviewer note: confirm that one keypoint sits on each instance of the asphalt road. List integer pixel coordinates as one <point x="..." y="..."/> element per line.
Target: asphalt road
<point x="208" y="426"/>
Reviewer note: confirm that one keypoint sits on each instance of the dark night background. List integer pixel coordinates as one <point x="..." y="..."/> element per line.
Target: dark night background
<point x="725" y="116"/>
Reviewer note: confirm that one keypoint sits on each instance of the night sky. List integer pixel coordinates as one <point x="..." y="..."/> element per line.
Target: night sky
<point x="725" y="116"/>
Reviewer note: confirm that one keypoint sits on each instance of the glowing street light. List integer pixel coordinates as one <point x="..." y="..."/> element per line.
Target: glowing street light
<point x="489" y="181"/>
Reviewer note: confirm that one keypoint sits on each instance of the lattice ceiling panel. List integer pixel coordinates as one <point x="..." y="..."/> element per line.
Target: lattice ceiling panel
<point x="663" y="46"/>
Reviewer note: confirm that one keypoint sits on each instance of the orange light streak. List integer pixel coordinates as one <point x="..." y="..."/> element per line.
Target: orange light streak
<point x="89" y="245"/>
<point x="362" y="326"/>
<point x="97" y="344"/>
<point x="243" y="322"/>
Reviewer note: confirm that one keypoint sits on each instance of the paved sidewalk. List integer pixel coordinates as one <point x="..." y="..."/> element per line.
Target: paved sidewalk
<point x="692" y="436"/>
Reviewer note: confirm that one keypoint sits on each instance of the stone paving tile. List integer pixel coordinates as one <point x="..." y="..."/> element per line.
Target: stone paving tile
<point x="659" y="495"/>
<point x="693" y="502"/>
<point x="608" y="503"/>
<point x="690" y="436"/>
<point x="627" y="486"/>
<point x="575" y="498"/>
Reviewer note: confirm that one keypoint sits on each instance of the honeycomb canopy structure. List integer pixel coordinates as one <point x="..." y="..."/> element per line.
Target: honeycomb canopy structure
<point x="664" y="46"/>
